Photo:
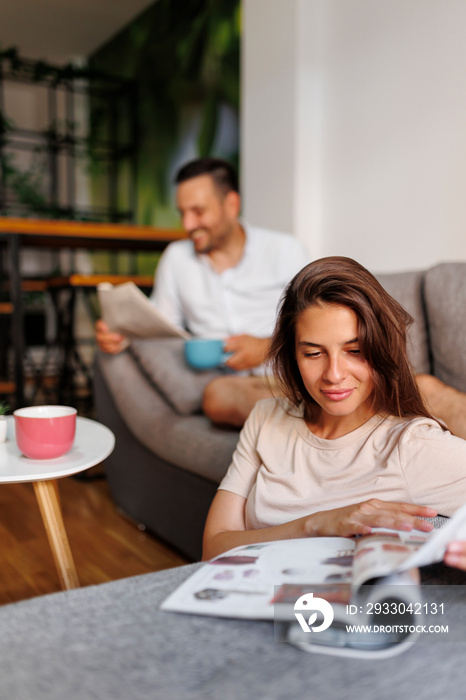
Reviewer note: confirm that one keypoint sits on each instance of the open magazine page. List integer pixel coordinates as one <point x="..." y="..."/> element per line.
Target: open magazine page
<point x="243" y="582"/>
<point x="386" y="610"/>
<point x="361" y="579"/>
<point x="127" y="310"/>
<point x="268" y="581"/>
<point x="384" y="553"/>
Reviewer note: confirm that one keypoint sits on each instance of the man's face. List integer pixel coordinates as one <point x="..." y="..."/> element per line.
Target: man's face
<point x="208" y="217"/>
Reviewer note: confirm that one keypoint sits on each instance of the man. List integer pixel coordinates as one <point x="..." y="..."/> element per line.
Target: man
<point x="224" y="282"/>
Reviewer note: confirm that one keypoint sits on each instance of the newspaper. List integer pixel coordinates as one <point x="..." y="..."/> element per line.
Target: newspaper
<point x="267" y="580"/>
<point x="127" y="310"/>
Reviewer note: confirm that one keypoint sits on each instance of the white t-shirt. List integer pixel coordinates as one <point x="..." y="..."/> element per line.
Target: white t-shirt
<point x="285" y="471"/>
<point x="242" y="299"/>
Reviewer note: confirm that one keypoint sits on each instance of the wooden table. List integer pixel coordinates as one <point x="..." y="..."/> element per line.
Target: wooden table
<point x="18" y="233"/>
<point x="93" y="443"/>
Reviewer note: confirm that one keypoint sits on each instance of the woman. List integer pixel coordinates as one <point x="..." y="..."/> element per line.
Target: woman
<point x="351" y="445"/>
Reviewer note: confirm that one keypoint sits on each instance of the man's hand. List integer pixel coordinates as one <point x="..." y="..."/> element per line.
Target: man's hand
<point x="248" y="351"/>
<point x="107" y="341"/>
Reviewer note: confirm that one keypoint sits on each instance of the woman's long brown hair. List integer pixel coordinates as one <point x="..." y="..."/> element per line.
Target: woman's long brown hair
<point x="382" y="333"/>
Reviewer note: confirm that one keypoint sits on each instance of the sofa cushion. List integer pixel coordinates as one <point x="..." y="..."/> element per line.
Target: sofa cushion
<point x="162" y="361"/>
<point x="445" y="297"/>
<point x="190" y="442"/>
<point x="407" y="289"/>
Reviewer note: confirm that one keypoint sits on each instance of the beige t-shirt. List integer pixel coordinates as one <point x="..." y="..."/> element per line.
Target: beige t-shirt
<point x="285" y="471"/>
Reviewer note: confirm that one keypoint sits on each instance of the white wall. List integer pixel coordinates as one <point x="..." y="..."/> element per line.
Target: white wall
<point x="354" y="126"/>
<point x="268" y="110"/>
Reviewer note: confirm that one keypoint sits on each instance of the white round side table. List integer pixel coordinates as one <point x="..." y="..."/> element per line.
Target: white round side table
<point x="93" y="443"/>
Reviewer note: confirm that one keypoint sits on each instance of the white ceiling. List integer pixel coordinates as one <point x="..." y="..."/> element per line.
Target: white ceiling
<point x="63" y="30"/>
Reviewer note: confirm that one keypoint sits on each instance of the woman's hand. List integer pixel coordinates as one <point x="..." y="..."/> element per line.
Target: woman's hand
<point x="107" y="341"/>
<point x="456" y="555"/>
<point x="359" y="519"/>
<point x="226" y="528"/>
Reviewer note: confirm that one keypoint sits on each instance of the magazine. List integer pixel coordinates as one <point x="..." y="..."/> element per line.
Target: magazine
<point x="357" y="576"/>
<point x="127" y="310"/>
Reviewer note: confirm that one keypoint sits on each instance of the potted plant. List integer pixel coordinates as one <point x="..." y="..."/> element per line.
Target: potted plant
<point x="4" y="408"/>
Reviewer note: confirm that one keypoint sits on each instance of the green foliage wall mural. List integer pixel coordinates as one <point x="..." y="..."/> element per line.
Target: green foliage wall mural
<point x="185" y="57"/>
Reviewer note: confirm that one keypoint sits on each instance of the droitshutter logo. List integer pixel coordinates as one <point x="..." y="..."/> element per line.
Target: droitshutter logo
<point x="307" y="603"/>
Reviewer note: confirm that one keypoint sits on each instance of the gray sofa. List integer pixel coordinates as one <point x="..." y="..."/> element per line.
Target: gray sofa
<point x="169" y="459"/>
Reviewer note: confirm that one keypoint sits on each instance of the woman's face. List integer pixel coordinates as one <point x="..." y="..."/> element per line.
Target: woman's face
<point x="332" y="367"/>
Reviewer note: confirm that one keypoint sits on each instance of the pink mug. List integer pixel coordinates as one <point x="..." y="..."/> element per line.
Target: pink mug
<point x="45" y="432"/>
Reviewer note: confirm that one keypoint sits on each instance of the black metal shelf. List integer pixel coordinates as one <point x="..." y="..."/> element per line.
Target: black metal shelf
<point x="50" y="162"/>
<point x="60" y="150"/>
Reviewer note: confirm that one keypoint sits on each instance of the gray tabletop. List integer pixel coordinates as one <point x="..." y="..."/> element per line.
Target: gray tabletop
<point x="111" y="641"/>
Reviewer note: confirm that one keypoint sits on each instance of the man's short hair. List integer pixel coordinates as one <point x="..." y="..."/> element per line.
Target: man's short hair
<point x="223" y="173"/>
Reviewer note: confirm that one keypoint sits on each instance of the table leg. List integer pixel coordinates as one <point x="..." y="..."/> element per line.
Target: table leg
<point x="49" y="504"/>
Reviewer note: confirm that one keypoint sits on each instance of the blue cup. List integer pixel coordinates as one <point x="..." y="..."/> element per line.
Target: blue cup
<point x="204" y="353"/>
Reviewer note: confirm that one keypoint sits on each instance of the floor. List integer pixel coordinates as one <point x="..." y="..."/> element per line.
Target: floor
<point x="106" y="546"/>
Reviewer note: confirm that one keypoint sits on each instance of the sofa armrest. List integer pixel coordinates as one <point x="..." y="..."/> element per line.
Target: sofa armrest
<point x="189" y="442"/>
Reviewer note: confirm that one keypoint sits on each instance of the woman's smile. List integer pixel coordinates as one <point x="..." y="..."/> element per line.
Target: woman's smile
<point x="337" y="394"/>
